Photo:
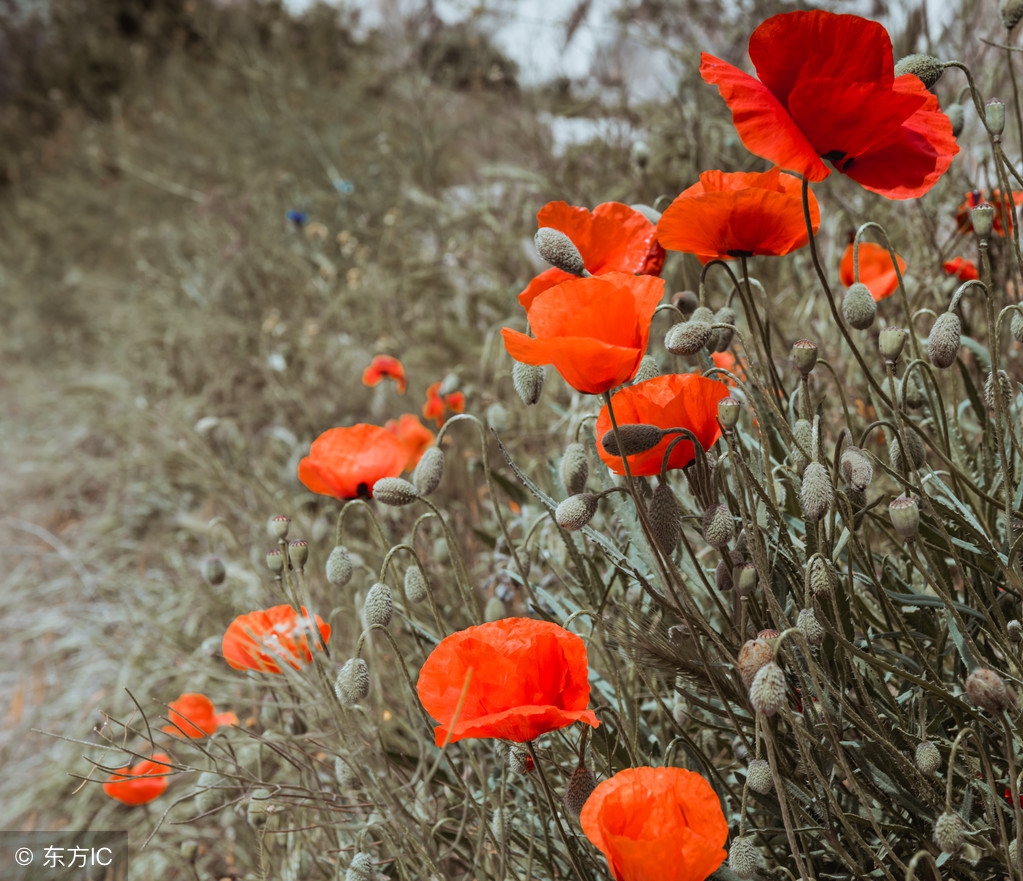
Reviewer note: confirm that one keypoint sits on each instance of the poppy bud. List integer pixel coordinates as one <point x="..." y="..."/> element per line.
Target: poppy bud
<point x="648" y="369"/>
<point x="926" y="67"/>
<point x="911" y="392"/>
<point x="429" y="471"/>
<point x="687" y="337"/>
<point x="723" y="335"/>
<point x="345" y="773"/>
<point x="495" y="609"/>
<point x="718" y="526"/>
<point x="278" y="526"/>
<point x="558" y="250"/>
<point x="949" y="832"/>
<point x="361" y="868"/>
<point x="745" y="578"/>
<point x="820" y="575"/>
<point x="994" y="116"/>
<point x="804" y="353"/>
<point x="723" y="580"/>
<point x="519" y="760"/>
<point x="813" y="631"/>
<point x="982" y="217"/>
<point x="640" y="155"/>
<point x="260" y="809"/>
<point x="635" y="437"/>
<point x="759" y="777"/>
<point x="728" y="412"/>
<point x="580" y="785"/>
<point x="1004" y="386"/>
<point x="665" y="516"/>
<point x="1017" y="322"/>
<point x="957" y="116"/>
<point x="988" y="691"/>
<point x="574" y="469"/>
<point x="945" y="339"/>
<point x="576" y="511"/>
<point x="497" y="417"/>
<point x="857" y="470"/>
<point x="891" y="342"/>
<point x="928" y="759"/>
<point x="208" y="797"/>
<point x="816" y="494"/>
<point x="686" y="302"/>
<point x="905" y="514"/>
<point x="500" y="825"/>
<point x="415" y="585"/>
<point x="213" y="570"/>
<point x="915" y="448"/>
<point x="803" y="433"/>
<point x="352" y="682"/>
<point x="754" y="654"/>
<point x="744" y="858"/>
<point x="275" y="560"/>
<point x="528" y="382"/>
<point x="298" y="553"/>
<point x="767" y="692"/>
<point x="858" y="306"/>
<point x="679" y="710"/>
<point x="379" y="606"/>
<point x="339" y="566"/>
<point x="1014" y="630"/>
<point x="651" y="214"/>
<point x="394" y="491"/>
<point x="1011" y="12"/>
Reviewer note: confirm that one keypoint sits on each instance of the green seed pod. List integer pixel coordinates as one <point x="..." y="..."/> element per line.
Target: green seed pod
<point x="945" y="339"/>
<point x="665" y="516"/>
<point x="1005" y="386"/>
<point x="298" y="553"/>
<point x="857" y="469"/>
<point x="811" y="628"/>
<point x="648" y="369"/>
<point x="580" y="785"/>
<point x="558" y="250"/>
<point x="728" y="412"/>
<point x="926" y="67"/>
<point x="744" y="858"/>
<point x="745" y="578"/>
<point x="957" y="116"/>
<point x="988" y="691"/>
<point x="379" y="606"/>
<point x="415" y="585"/>
<point x="949" y="832"/>
<point x="576" y="511"/>
<point x="429" y="471"/>
<point x="259" y="809"/>
<point x="858" y="306"/>
<point x="753" y="656"/>
<point x="275" y="560"/>
<point x="816" y="493"/>
<point x="820" y="576"/>
<point x="915" y="447"/>
<point x="994" y="116"/>
<point x="574" y="469"/>
<point x="208" y="797"/>
<point x="635" y="438"/>
<point x="528" y="381"/>
<point x="278" y="526"/>
<point x="767" y="692"/>
<point x="891" y="341"/>
<point x="361" y="868"/>
<point x="688" y="337"/>
<point x="352" y="682"/>
<point x="759" y="777"/>
<point x="928" y="759"/>
<point x="905" y="514"/>
<point x="339" y="566"/>
<point x="804" y="354"/>
<point x="394" y="491"/>
<point x="982" y="218"/>
<point x="1011" y="11"/>
<point x="495" y="609"/>
<point x="718" y="526"/>
<point x="213" y="570"/>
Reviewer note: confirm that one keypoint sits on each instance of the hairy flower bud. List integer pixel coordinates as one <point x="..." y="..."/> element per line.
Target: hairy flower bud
<point x="639" y="153"/>
<point x="754" y="654"/>
<point x="361" y="868"/>
<point x="915" y="448"/>
<point x="352" y="682"/>
<point x="988" y="691"/>
<point x="528" y="382"/>
<point x="804" y="354"/>
<point x="957" y="116"/>
<point x="1014" y="630"/>
<point x="339" y="566"/>
<point x="576" y="511"/>
<point x="687" y="337"/>
<point x="558" y="250"/>
<point x="811" y="628"/>
<point x="949" y="832"/>
<point x="820" y="575"/>
<point x="767" y="691"/>
<point x="905" y="514"/>
<point x="718" y="526"/>
<point x="635" y="437"/>
<point x="744" y="858"/>
<point x="574" y="469"/>
<point x="580" y="785"/>
<point x="926" y="67"/>
<point x="379" y="606"/>
<point x="803" y="433"/>
<point x="686" y="302"/>
<point x="816" y="493"/>
<point x="857" y="469"/>
<point x="890" y="342"/>
<point x="927" y="757"/>
<point x="945" y="339"/>
<point x="415" y="585"/>
<point x="1016" y="325"/>
<point x="429" y="471"/>
<point x="213" y="570"/>
<point x="208" y="796"/>
<point x="1011" y="12"/>
<point x="722" y="337"/>
<point x="647" y="369"/>
<point x="858" y="306"/>
<point x="759" y="777"/>
<point x="259" y="809"/>
<point x="1005" y="386"/>
<point x="745" y="578"/>
<point x="394" y="491"/>
<point x="665" y="516"/>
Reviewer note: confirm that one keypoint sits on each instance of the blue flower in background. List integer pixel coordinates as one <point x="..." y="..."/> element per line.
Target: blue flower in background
<point x="344" y="187"/>
<point x="297" y="217"/>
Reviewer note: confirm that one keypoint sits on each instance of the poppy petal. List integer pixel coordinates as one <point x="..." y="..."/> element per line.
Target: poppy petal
<point x="346" y="462"/>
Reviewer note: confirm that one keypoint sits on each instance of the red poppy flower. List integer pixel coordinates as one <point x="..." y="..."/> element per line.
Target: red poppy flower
<point x="193" y="715"/>
<point x="999" y="223"/>
<point x="260" y="639"/>
<point x="663" y="823"/>
<point x="611" y="238"/>
<point x="520" y="678"/>
<point x="141" y="783"/>
<point x="727" y="361"/>
<point x="675" y="400"/>
<point x="877" y="271"/>
<point x="736" y="215"/>
<point x="416" y="437"/>
<point x="346" y="462"/>
<point x="828" y="90"/>
<point x="385" y="367"/>
<point x="437" y="405"/>
<point x="961" y="268"/>
<point x="593" y="330"/>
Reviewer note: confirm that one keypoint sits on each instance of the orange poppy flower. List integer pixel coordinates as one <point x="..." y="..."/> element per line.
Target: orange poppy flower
<point x="593" y="330"/>
<point x="675" y="400"/>
<point x="260" y="639"/>
<point x="141" y="783"/>
<point x="416" y="437"/>
<point x="611" y="238"/>
<point x="961" y="268"/>
<point x="663" y="823"/>
<point x="877" y="271"/>
<point x="520" y="678"/>
<point x="346" y="462"/>
<point x="736" y="215"/>
<point x="999" y="222"/>
<point x="193" y="715"/>
<point x="437" y="405"/>
<point x="385" y="367"/>
<point x="727" y="361"/>
<point x="828" y="90"/>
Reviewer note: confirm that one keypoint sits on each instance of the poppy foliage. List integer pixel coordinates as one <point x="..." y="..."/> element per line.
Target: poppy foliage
<point x="385" y="367"/>
<point x="877" y="271"/>
<point x="740" y="214"/>
<point x="663" y="823"/>
<point x="141" y="783"/>
<point x="593" y="330"/>
<point x="675" y="400"/>
<point x="346" y="462"/>
<point x="416" y="437"/>
<point x="520" y="678"/>
<point x="611" y="238"/>
<point x="827" y="90"/>
<point x="194" y="715"/>
<point x="1000" y="222"/>
<point x="262" y="639"/>
<point x="962" y="269"/>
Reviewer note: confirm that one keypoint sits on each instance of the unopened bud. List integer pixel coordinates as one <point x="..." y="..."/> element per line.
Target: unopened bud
<point x="928" y="759"/>
<point x="767" y="692"/>
<point x="208" y="795"/>
<point x="1017" y="322"/>
<point x="665" y="516"/>
<point x="722" y="337"/>
<point x="857" y="469"/>
<point x="811" y="628"/>
<point x="804" y="353"/>
<point x="352" y="682"/>
<point x="361" y="868"/>
<point x="394" y="491"/>
<point x="753" y="655"/>
<point x="574" y="469"/>
<point x="926" y="67"/>
<point x="820" y="575"/>
<point x="429" y="471"/>
<point x="957" y="116"/>
<point x="576" y="511"/>
<point x="260" y="809"/>
<point x="339" y="566"/>
<point x="640" y="155"/>
<point x="580" y="785"/>
<point x="745" y="578"/>
<point x="415" y="585"/>
<point x="635" y="438"/>
<point x="528" y="381"/>
<point x="915" y="448"/>
<point x="945" y="339"/>
<point x="816" y="494"/>
<point x="651" y="214"/>
<point x="1005" y="386"/>
<point x="949" y="832"/>
<point x="495" y="609"/>
<point x="744" y="858"/>
<point x="686" y="302"/>
<point x="1011" y="12"/>
<point x="858" y="306"/>
<point x="1015" y="630"/>
<point x="213" y="570"/>
<point x="558" y="250"/>
<point x="988" y="691"/>
<point x="379" y="606"/>
<point x="718" y="526"/>
<point x="759" y="777"/>
<point x="982" y="217"/>
<point x="648" y="369"/>
<point x="278" y="526"/>
<point x="687" y="337"/>
<point x="298" y="553"/>
<point x="891" y="341"/>
<point x="728" y="412"/>
<point x="994" y="116"/>
<point x="802" y="431"/>
<point x="905" y="514"/>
